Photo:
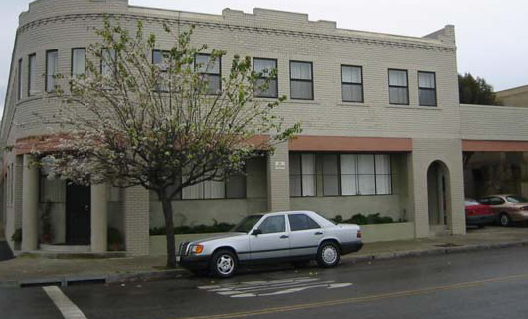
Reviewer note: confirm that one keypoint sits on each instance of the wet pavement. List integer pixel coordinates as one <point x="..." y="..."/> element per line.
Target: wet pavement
<point x="483" y="284"/>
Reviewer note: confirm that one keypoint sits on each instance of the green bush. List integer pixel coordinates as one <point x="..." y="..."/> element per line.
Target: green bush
<point x="361" y="219"/>
<point x="198" y="229"/>
<point x="17" y="236"/>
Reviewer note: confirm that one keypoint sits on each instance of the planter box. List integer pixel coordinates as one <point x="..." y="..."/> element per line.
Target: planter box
<point x="387" y="232"/>
<point x="371" y="233"/>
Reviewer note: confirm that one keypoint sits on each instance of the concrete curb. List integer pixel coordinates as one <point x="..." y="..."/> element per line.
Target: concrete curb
<point x="432" y="251"/>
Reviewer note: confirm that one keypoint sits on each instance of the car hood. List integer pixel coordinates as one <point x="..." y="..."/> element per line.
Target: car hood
<point x="223" y="236"/>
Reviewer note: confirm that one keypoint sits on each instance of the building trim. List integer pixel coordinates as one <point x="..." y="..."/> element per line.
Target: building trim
<point x="350" y="144"/>
<point x="494" y="146"/>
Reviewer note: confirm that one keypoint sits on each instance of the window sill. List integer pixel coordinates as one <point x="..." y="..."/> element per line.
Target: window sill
<point x="414" y="107"/>
<point x="341" y="103"/>
<point x="301" y="102"/>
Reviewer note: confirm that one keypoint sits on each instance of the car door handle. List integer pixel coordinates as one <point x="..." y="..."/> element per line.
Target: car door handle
<point x="284" y="236"/>
<point x="318" y="233"/>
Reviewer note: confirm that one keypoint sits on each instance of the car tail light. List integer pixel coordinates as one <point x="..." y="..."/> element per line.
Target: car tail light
<point x="358" y="234"/>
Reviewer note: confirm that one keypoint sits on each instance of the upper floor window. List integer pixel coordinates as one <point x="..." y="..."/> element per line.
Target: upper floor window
<point x="301" y="80"/>
<point x="427" y="88"/>
<point x="265" y="66"/>
<point x="31" y="73"/>
<point x="108" y="65"/>
<point x="211" y="72"/>
<point x="351" y="83"/>
<point x="160" y="58"/>
<point x="78" y="66"/>
<point x="19" y="82"/>
<point x="356" y="174"/>
<point x="398" y="87"/>
<point x="52" y="69"/>
<point x="302" y="175"/>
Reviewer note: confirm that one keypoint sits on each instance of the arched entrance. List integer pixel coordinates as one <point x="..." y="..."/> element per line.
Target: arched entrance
<point x="438" y="196"/>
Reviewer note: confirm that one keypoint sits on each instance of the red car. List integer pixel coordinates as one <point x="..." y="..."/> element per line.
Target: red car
<point x="478" y="214"/>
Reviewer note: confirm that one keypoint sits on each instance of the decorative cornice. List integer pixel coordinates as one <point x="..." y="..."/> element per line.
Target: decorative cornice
<point x="234" y="27"/>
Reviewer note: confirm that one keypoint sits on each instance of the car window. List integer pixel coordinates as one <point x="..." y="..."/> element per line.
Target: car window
<point x="471" y="202"/>
<point x="246" y="224"/>
<point x="301" y="222"/>
<point x="273" y="224"/>
<point x="516" y="199"/>
<point x="496" y="201"/>
<point x="484" y="201"/>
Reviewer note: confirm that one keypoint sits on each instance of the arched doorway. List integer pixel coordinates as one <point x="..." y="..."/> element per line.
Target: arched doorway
<point x="438" y="196"/>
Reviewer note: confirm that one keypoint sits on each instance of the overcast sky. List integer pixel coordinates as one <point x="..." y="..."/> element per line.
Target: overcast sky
<point x="491" y="34"/>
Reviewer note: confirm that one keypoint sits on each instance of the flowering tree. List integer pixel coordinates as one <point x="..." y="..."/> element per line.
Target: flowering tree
<point x="165" y="125"/>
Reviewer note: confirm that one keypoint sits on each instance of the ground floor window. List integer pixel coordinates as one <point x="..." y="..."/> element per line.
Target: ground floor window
<point x="302" y="175"/>
<point x="356" y="174"/>
<point x="233" y="188"/>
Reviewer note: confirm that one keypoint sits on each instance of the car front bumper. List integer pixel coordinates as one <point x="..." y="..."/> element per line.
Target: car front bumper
<point x="351" y="247"/>
<point x="193" y="262"/>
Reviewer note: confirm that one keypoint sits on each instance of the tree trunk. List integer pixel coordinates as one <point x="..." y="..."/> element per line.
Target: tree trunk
<point x="169" y="226"/>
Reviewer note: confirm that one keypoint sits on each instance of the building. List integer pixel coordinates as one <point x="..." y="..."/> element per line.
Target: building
<point x="383" y="129"/>
<point x="517" y="96"/>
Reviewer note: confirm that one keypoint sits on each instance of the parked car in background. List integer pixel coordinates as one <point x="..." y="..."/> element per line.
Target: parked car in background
<point x="509" y="208"/>
<point x="478" y="214"/>
<point x="294" y="236"/>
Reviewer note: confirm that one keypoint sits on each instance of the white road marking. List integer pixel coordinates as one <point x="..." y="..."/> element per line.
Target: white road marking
<point x="68" y="309"/>
<point x="277" y="287"/>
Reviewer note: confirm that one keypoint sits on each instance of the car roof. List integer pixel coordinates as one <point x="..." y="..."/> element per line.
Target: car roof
<point x="289" y="212"/>
<point x="498" y="195"/>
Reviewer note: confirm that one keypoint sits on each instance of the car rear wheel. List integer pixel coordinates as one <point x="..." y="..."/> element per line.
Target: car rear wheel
<point x="224" y="264"/>
<point x="505" y="220"/>
<point x="328" y="255"/>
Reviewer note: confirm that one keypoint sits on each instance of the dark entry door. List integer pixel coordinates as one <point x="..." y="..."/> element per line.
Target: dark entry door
<point x="77" y="215"/>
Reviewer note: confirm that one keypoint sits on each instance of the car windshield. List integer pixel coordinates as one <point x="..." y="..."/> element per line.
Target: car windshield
<point x="516" y="199"/>
<point x="246" y="224"/>
<point x="471" y="202"/>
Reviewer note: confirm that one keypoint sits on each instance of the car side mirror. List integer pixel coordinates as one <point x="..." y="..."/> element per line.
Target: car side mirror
<point x="256" y="232"/>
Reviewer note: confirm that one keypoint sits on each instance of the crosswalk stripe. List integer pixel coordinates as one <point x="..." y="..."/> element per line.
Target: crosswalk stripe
<point x="68" y="309"/>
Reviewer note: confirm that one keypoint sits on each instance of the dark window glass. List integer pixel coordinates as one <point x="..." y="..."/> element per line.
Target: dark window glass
<point x="301" y="222"/>
<point x="265" y="66"/>
<point x="236" y="187"/>
<point x="351" y="83"/>
<point x="302" y="175"/>
<point x="52" y="69"/>
<point x="273" y="224"/>
<point x="516" y="199"/>
<point x="211" y="72"/>
<point x="19" y="75"/>
<point x="330" y="175"/>
<point x="427" y="88"/>
<point x="398" y="87"/>
<point x="496" y="201"/>
<point x="301" y="80"/>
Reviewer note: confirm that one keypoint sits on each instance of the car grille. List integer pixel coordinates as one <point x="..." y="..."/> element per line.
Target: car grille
<point x="183" y="249"/>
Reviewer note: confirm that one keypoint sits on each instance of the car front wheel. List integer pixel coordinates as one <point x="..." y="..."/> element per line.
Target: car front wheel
<point x="328" y="255"/>
<point x="505" y="220"/>
<point x="223" y="264"/>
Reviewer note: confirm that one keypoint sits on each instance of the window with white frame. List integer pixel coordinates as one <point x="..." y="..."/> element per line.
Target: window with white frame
<point x="351" y="83"/>
<point x="31" y="73"/>
<point x="52" y="69"/>
<point x="356" y="174"/>
<point x="211" y="72"/>
<point x="78" y="66"/>
<point x="108" y="67"/>
<point x="302" y="175"/>
<point x="265" y="67"/>
<point x="427" y="88"/>
<point x="301" y="80"/>
<point x="398" y="87"/>
<point x="160" y="58"/>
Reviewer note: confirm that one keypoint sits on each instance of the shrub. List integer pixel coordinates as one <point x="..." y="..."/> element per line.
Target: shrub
<point x="198" y="229"/>
<point x="361" y="219"/>
<point x="17" y="236"/>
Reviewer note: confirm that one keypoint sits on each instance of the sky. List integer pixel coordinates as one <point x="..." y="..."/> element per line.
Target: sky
<point x="491" y="34"/>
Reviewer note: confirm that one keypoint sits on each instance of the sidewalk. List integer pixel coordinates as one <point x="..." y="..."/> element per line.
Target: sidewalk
<point x="32" y="270"/>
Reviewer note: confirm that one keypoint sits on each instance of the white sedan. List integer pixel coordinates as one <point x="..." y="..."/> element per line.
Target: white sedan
<point x="293" y="236"/>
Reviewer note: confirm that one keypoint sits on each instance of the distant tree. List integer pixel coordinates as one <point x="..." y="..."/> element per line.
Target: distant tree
<point x="475" y="91"/>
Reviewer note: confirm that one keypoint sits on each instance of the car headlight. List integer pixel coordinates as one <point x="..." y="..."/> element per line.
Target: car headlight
<point x="196" y="249"/>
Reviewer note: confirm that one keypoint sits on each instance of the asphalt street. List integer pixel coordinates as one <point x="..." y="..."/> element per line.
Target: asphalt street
<point x="484" y="284"/>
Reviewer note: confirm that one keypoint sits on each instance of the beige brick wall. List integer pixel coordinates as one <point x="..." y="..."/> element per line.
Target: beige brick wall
<point x="136" y="222"/>
<point x="486" y="122"/>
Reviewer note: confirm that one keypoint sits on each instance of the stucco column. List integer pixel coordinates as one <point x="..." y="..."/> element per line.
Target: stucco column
<point x="279" y="179"/>
<point x="98" y="218"/>
<point x="30" y="202"/>
<point x="524" y="174"/>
